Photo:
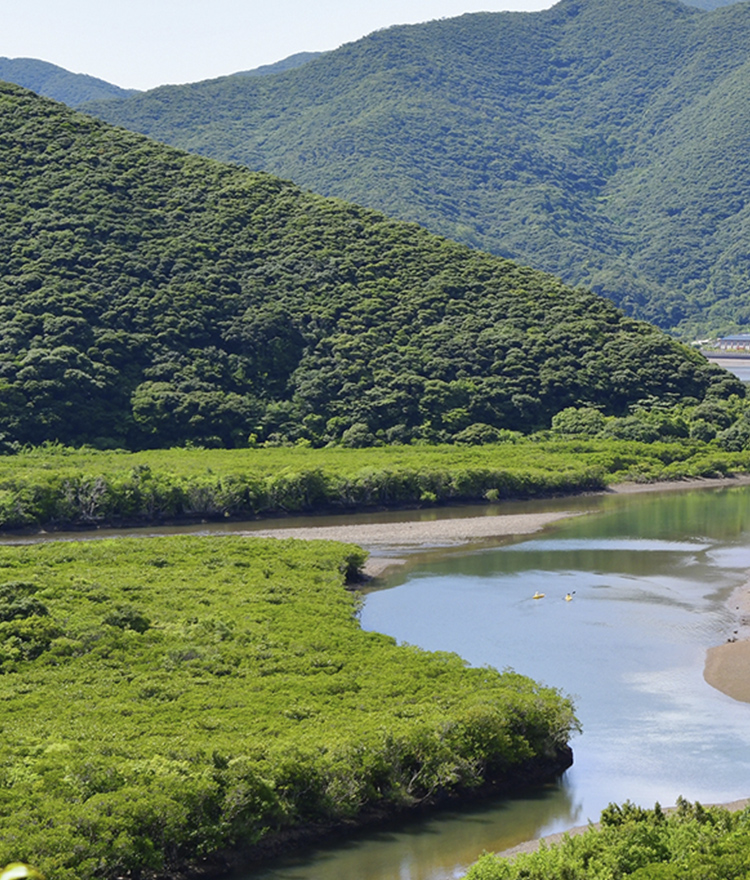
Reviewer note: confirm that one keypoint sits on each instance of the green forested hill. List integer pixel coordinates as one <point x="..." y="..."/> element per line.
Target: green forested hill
<point x="75" y="89"/>
<point x="57" y="83"/>
<point x="602" y="140"/>
<point x="289" y="63"/>
<point x="149" y="297"/>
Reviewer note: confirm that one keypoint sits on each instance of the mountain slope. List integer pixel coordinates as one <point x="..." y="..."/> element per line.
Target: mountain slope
<point x="57" y="83"/>
<point x="289" y="63"/>
<point x="150" y="297"/>
<point x="75" y="89"/>
<point x="602" y="140"/>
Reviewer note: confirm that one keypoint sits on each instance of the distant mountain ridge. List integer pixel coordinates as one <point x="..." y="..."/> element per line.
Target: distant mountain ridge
<point x="57" y="83"/>
<point x="289" y="63"/>
<point x="601" y="140"/>
<point x="152" y="298"/>
<point x="75" y="89"/>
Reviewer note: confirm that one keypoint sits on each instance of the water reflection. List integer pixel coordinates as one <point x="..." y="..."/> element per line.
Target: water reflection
<point x="649" y="576"/>
<point x="438" y="846"/>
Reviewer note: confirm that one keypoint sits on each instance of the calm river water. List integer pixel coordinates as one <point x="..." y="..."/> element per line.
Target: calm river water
<point x="650" y="575"/>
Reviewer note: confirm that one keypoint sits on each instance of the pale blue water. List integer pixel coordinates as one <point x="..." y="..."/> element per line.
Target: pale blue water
<point x="739" y="366"/>
<point x="650" y="576"/>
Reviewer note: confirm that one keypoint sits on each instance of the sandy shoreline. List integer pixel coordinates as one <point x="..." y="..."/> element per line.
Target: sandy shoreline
<point x="728" y="666"/>
<point x="409" y="536"/>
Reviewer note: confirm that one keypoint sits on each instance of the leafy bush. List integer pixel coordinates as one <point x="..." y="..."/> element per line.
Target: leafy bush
<point x="584" y="421"/>
<point x="690" y="843"/>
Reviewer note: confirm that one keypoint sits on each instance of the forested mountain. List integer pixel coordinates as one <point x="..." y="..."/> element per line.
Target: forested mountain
<point x="289" y="63"/>
<point x="57" y="83"/>
<point x="602" y="140"/>
<point x="75" y="89"/>
<point x="151" y="297"/>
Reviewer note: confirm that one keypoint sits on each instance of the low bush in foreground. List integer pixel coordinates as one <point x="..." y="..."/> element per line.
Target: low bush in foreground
<point x="166" y="698"/>
<point x="59" y="486"/>
<point x="689" y="843"/>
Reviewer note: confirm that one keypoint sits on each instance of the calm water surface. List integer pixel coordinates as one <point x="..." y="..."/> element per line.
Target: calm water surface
<point x="739" y="366"/>
<point x="650" y="575"/>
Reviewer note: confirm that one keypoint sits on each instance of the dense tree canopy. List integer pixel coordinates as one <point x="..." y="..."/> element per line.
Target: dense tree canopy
<point x="149" y="297"/>
<point x="58" y="83"/>
<point x="691" y="842"/>
<point x="602" y="140"/>
<point x="167" y="698"/>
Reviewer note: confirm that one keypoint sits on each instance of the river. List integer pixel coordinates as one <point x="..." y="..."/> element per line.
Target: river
<point x="649" y="577"/>
<point x="737" y="364"/>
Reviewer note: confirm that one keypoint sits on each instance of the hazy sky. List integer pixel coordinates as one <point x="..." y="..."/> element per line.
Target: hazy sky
<point x="144" y="43"/>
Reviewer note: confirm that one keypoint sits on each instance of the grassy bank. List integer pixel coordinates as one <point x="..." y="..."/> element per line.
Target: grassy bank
<point x="165" y="699"/>
<point x="690" y="843"/>
<point x="57" y="486"/>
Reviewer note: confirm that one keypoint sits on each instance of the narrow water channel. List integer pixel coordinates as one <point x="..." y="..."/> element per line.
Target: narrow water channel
<point x="649" y="577"/>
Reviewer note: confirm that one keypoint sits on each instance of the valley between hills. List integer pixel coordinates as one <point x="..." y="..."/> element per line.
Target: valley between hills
<point x="503" y="233"/>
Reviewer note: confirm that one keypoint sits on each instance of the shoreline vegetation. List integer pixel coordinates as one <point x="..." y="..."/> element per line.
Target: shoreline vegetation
<point x="685" y="842"/>
<point x="169" y="702"/>
<point x="112" y="603"/>
<point x="56" y="487"/>
<point x="530" y="846"/>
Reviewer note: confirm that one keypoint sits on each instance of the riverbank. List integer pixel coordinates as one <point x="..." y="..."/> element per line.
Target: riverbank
<point x="530" y="846"/>
<point x="232" y="862"/>
<point x="728" y="666"/>
<point x="454" y="532"/>
<point x="65" y="489"/>
<point x="674" y="485"/>
<point x="409" y="536"/>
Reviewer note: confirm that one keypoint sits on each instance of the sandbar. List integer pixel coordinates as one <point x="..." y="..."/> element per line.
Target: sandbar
<point x="728" y="666"/>
<point x="455" y="531"/>
<point x="413" y="535"/>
